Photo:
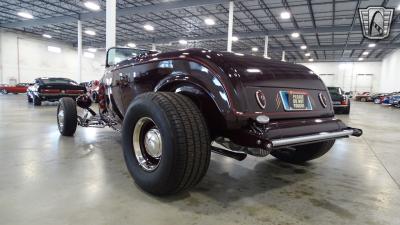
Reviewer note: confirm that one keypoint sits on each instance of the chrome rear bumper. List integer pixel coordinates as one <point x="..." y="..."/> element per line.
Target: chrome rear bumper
<point x="286" y="142"/>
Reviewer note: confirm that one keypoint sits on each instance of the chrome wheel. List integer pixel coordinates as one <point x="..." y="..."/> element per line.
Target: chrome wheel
<point x="60" y="117"/>
<point x="147" y="144"/>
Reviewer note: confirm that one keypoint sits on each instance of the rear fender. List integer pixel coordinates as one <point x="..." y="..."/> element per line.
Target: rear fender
<point x="211" y="86"/>
<point x="211" y="103"/>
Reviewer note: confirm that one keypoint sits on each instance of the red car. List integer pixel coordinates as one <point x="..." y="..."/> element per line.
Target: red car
<point x="18" y="88"/>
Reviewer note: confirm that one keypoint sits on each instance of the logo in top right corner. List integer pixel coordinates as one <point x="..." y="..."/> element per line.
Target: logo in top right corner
<point x="376" y="22"/>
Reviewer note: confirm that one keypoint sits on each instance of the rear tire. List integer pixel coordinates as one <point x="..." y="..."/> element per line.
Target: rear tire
<point x="347" y="109"/>
<point x="303" y="153"/>
<point x="4" y="91"/>
<point x="67" y="116"/>
<point x="184" y="155"/>
<point x="37" y="101"/>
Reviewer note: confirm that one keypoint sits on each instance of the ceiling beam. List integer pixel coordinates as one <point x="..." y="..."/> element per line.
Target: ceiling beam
<point x="243" y="35"/>
<point x="161" y="7"/>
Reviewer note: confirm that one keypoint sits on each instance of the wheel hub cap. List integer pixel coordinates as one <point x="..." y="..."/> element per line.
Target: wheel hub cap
<point x="61" y="118"/>
<point x="152" y="142"/>
<point x="147" y="144"/>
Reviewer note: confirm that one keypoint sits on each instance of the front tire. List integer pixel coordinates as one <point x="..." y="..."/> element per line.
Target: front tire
<point x="303" y="153"/>
<point x="176" y="125"/>
<point x="30" y="100"/>
<point x="4" y="91"/>
<point x="67" y="116"/>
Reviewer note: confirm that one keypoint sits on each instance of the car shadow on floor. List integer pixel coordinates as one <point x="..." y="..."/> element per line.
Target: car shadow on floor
<point x="224" y="189"/>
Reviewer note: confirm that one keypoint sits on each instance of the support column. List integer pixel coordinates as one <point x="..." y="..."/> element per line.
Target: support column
<point x="153" y="47"/>
<point x="111" y="20"/>
<point x="283" y="56"/>
<point x="79" y="66"/>
<point x="266" y="47"/>
<point x="230" y="26"/>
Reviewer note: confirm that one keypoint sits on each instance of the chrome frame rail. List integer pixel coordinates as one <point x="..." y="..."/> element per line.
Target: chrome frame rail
<point x="310" y="138"/>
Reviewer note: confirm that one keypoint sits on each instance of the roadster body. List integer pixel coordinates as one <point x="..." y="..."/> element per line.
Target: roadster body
<point x="177" y="107"/>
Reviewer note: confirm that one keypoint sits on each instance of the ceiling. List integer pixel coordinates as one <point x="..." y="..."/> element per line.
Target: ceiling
<point x="329" y="28"/>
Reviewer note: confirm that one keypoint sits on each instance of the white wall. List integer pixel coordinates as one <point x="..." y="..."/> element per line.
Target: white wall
<point x="30" y="55"/>
<point x="390" y="81"/>
<point x="346" y="75"/>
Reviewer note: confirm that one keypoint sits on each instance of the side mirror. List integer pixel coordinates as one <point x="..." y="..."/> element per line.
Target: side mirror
<point x="110" y="58"/>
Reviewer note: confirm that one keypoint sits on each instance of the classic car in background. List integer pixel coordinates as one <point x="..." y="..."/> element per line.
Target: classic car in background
<point x="391" y="99"/>
<point x="93" y="90"/>
<point x="15" y="89"/>
<point x="52" y="89"/>
<point x="173" y="105"/>
<point x="363" y="97"/>
<point x="340" y="101"/>
<point x="377" y="98"/>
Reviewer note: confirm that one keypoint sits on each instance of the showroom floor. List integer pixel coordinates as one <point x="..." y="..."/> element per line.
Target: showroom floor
<point x="49" y="179"/>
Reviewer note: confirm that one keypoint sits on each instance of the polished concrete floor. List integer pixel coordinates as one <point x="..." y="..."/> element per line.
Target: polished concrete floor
<point x="49" y="179"/>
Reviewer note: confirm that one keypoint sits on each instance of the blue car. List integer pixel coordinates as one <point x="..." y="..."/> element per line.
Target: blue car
<point x="392" y="99"/>
<point x="395" y="100"/>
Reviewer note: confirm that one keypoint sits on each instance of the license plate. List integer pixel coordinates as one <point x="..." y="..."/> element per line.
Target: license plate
<point x="295" y="100"/>
<point x="336" y="103"/>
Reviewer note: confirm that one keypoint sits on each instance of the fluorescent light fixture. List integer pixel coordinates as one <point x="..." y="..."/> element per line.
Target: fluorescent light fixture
<point x="46" y="35"/>
<point x="398" y="7"/>
<point x="371" y="45"/>
<point x="90" y="32"/>
<point x="365" y="53"/>
<point x="307" y="54"/>
<point x="235" y="39"/>
<point x="92" y="5"/>
<point x="148" y="27"/>
<point x="253" y="70"/>
<point x="303" y="47"/>
<point x="183" y="42"/>
<point x="92" y="50"/>
<point x="131" y="45"/>
<point x="360" y="59"/>
<point x="25" y="15"/>
<point x="254" y="49"/>
<point x="88" y="55"/>
<point x="295" y="35"/>
<point x="285" y="15"/>
<point x="54" y="49"/>
<point x="311" y="60"/>
<point x="209" y="21"/>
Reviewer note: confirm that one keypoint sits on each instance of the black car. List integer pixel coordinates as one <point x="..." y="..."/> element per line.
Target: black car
<point x="340" y="101"/>
<point x="52" y="89"/>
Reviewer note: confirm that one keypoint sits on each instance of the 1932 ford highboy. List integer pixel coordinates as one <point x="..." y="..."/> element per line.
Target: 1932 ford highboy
<point x="173" y="105"/>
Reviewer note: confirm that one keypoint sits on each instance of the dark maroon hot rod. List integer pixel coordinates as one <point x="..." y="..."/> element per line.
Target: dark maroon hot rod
<point x="177" y="107"/>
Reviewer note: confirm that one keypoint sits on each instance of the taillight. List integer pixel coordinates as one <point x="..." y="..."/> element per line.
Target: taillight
<point x="322" y="99"/>
<point x="74" y="92"/>
<point x="50" y="91"/>
<point x="261" y="99"/>
<point x="344" y="101"/>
